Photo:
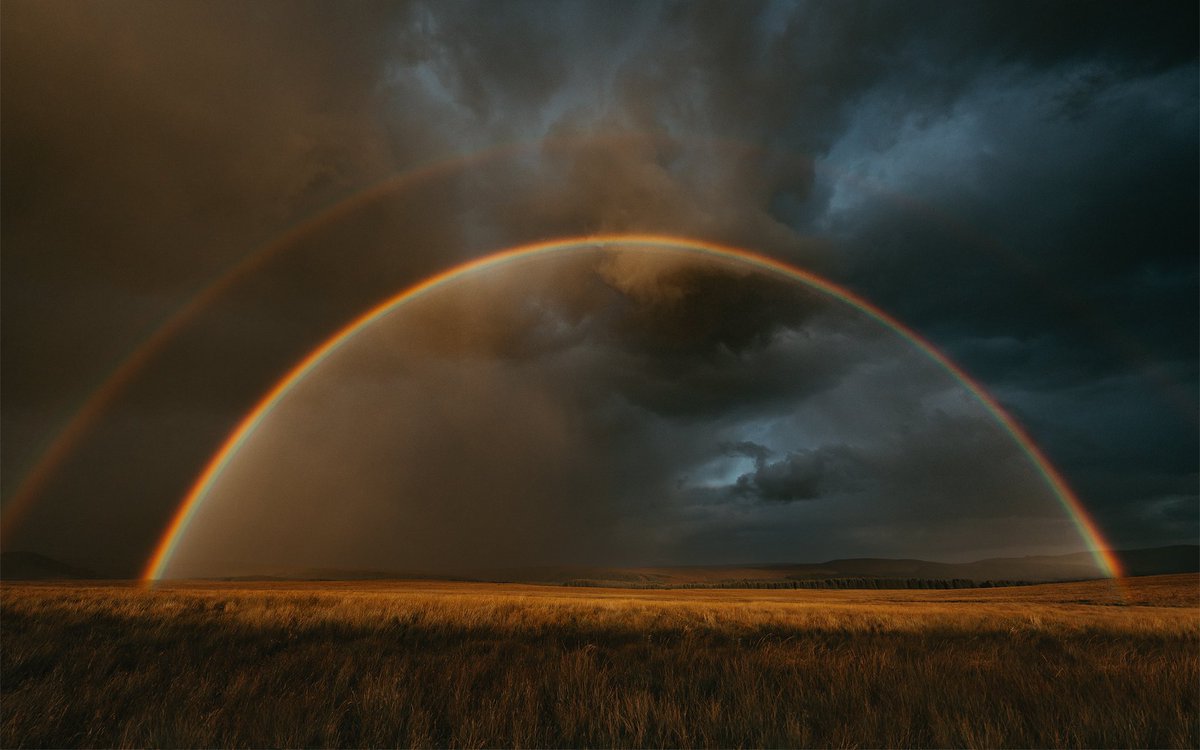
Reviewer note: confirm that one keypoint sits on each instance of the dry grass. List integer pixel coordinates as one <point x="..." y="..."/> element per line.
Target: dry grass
<point x="436" y="664"/>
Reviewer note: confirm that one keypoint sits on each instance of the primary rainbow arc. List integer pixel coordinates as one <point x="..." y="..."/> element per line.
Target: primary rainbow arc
<point x="165" y="549"/>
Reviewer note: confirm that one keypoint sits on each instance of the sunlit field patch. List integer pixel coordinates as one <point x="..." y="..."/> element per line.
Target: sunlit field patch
<point x="476" y="665"/>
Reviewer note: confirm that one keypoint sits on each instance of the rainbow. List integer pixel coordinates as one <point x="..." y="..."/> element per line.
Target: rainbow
<point x="157" y="565"/>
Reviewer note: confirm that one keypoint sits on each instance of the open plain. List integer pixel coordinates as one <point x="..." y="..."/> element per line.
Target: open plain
<point x="367" y="664"/>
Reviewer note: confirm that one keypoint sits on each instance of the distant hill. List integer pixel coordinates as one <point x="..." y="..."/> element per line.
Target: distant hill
<point x="843" y="573"/>
<point x="325" y="574"/>
<point x="30" y="566"/>
<point x="855" y="572"/>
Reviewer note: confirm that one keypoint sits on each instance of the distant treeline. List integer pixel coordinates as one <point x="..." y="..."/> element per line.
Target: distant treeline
<point x="810" y="583"/>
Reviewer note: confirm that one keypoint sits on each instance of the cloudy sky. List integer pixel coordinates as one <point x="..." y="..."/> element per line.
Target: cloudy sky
<point x="1015" y="181"/>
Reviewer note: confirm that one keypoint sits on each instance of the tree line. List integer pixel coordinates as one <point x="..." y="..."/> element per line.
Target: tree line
<point x="806" y="583"/>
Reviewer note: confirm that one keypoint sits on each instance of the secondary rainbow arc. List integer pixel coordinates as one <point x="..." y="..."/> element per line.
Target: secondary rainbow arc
<point x="157" y="565"/>
<point x="68" y="438"/>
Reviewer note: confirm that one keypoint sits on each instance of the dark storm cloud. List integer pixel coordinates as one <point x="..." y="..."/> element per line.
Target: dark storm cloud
<point x="1017" y="181"/>
<point x="702" y="341"/>
<point x="802" y="475"/>
<point x="749" y="448"/>
<point x="1060" y="256"/>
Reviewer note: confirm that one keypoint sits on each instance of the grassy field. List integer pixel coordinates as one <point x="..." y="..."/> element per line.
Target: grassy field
<point x="437" y="664"/>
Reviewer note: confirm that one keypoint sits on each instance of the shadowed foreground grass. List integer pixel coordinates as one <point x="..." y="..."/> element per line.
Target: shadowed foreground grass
<point x="436" y="664"/>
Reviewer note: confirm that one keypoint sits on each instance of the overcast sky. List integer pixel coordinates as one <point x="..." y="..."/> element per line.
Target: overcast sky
<point x="1015" y="181"/>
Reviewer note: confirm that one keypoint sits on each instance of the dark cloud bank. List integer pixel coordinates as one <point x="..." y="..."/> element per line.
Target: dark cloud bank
<point x="1016" y="181"/>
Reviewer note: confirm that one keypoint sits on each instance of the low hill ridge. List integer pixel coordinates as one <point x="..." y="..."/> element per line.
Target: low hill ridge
<point x="31" y="566"/>
<point x="849" y="572"/>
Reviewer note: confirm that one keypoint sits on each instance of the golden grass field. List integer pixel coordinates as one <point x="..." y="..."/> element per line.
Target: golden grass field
<point x="373" y="664"/>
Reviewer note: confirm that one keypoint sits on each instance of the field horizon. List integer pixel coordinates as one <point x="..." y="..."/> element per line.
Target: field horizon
<point x="443" y="664"/>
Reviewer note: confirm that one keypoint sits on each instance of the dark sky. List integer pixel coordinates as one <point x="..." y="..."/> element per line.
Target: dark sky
<point x="1016" y="181"/>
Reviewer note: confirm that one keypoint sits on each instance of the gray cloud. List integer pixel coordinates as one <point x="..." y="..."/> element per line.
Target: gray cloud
<point x="802" y="475"/>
